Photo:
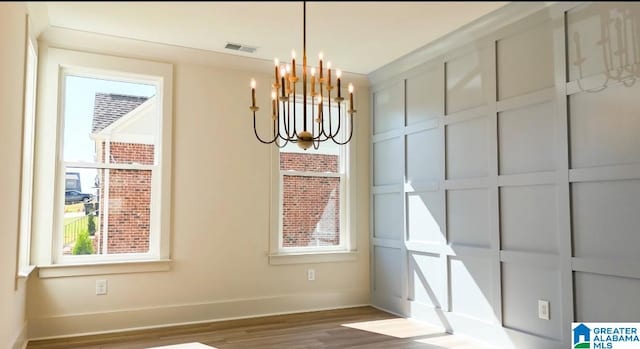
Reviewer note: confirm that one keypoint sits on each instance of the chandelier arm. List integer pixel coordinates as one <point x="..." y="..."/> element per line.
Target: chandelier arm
<point x="350" y="134"/>
<point x="313" y="124"/>
<point x="285" y="127"/>
<point x="339" y="121"/>
<point x="280" y="140"/>
<point x="287" y="116"/>
<point x="333" y="134"/>
<point x="256" y="132"/>
<point x="293" y="93"/>
<point x="285" y="121"/>
<point x="330" y="135"/>
<point x="320" y="115"/>
<point x="319" y="137"/>
<point x="293" y="133"/>
<point x="321" y="131"/>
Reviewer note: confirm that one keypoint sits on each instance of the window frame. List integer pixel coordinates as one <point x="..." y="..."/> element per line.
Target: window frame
<point x="50" y="172"/>
<point x="27" y="151"/>
<point x="346" y="250"/>
<point x="63" y="166"/>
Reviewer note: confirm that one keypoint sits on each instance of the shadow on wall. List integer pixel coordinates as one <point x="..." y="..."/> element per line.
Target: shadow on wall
<point x="613" y="52"/>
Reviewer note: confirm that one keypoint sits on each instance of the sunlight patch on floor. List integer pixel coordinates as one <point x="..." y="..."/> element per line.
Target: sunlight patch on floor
<point x="185" y="346"/>
<point x="399" y="328"/>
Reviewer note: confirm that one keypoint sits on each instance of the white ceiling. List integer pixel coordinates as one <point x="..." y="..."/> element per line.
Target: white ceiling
<point x="358" y="37"/>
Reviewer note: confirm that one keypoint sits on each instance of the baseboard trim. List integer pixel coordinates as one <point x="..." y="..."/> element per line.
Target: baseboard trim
<point x="76" y="325"/>
<point x="21" y="339"/>
<point x="491" y="333"/>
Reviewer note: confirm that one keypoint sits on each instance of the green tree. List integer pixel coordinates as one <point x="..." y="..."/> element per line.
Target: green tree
<point x="83" y="244"/>
<point x="91" y="225"/>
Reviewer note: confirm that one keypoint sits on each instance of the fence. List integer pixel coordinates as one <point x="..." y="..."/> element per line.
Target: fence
<point x="73" y="228"/>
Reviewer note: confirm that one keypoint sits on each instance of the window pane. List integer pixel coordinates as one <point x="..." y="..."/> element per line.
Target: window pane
<point x="126" y="224"/>
<point x="311" y="211"/>
<point x="97" y="110"/>
<point x="111" y="215"/>
<point x="81" y="216"/>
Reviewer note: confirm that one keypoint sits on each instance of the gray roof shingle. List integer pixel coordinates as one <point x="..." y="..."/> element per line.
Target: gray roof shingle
<point x="110" y="107"/>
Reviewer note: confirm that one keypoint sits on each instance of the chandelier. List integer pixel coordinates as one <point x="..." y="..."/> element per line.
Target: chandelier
<point x="317" y="122"/>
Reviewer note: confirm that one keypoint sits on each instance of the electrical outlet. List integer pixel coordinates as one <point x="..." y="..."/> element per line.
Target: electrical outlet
<point x="101" y="287"/>
<point x="311" y="274"/>
<point x="543" y="310"/>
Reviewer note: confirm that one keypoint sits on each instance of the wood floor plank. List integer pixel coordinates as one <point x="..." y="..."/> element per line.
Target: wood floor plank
<point x="360" y="327"/>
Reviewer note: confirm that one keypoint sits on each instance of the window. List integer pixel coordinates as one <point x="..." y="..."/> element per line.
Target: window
<point x="313" y="193"/>
<point x="111" y="163"/>
<point x="28" y="129"/>
<point x="110" y="140"/>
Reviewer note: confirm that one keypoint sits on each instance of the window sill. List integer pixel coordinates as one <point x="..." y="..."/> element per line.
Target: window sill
<point x="312" y="257"/>
<point x="103" y="268"/>
<point x="25" y="272"/>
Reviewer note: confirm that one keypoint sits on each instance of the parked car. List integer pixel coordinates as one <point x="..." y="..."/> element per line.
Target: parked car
<point x="74" y="196"/>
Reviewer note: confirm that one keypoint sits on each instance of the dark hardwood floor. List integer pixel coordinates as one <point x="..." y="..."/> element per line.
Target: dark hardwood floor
<point x="362" y="327"/>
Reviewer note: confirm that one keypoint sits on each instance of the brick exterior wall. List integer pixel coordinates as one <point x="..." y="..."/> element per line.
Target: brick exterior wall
<point x="309" y="162"/>
<point x="311" y="205"/>
<point x="128" y="153"/>
<point x="129" y="201"/>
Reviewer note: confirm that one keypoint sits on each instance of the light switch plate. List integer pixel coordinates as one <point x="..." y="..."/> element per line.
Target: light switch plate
<point x="101" y="287"/>
<point x="543" y="310"/>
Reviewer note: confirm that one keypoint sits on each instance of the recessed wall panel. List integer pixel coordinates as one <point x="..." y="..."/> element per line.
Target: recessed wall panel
<point x="466" y="77"/>
<point x="606" y="219"/>
<point x="468" y="217"/>
<point x="424" y="156"/>
<point x="471" y="290"/>
<point x="526" y="139"/>
<point x="529" y="218"/>
<point x="525" y="61"/>
<point x="425" y="212"/>
<point x="467" y="149"/>
<point x="387" y="219"/>
<point x="427" y="279"/>
<point x="387" y="264"/>
<point x="603" y="298"/>
<point x="425" y="96"/>
<point x="604" y="127"/>
<point x="387" y="162"/>
<point x="388" y="108"/>
<point x="522" y="287"/>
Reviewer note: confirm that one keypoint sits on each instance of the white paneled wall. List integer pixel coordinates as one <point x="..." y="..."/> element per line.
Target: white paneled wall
<point x="507" y="171"/>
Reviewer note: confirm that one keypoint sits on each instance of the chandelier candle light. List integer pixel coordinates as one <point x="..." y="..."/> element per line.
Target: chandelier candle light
<point x="285" y="128"/>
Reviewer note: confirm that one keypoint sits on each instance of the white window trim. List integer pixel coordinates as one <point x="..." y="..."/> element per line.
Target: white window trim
<point x="347" y="250"/>
<point x="50" y="165"/>
<point x="23" y="265"/>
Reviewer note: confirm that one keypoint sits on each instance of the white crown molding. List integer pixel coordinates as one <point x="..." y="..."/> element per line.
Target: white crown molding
<point x="132" y="48"/>
<point x="469" y="33"/>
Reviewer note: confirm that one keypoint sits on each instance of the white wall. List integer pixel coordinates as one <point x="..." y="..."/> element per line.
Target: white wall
<point x="12" y="294"/>
<point x="220" y="214"/>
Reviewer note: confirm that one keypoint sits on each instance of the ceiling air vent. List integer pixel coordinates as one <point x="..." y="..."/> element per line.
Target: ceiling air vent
<point x="239" y="47"/>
